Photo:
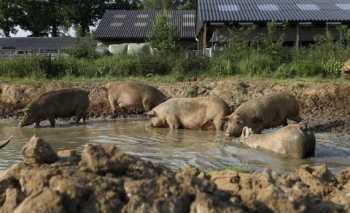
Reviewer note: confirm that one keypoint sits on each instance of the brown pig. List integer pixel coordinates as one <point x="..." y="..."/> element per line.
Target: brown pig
<point x="264" y="112"/>
<point x="133" y="96"/>
<point x="190" y="113"/>
<point x="292" y="141"/>
<point x="63" y="103"/>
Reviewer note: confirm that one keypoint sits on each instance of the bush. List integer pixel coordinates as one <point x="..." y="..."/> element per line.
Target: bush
<point x="301" y="69"/>
<point x="24" y="67"/>
<point x="257" y="64"/>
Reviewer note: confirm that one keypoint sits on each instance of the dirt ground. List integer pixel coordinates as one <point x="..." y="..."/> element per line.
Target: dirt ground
<point x="104" y="179"/>
<point x="323" y="105"/>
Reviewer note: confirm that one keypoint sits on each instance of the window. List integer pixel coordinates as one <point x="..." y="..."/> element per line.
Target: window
<point x="188" y="24"/>
<point x="188" y="16"/>
<point x="308" y="7"/>
<point x="268" y="7"/>
<point x="119" y="16"/>
<point x="142" y="16"/>
<point x="344" y="6"/>
<point x="228" y="7"/>
<point x="140" y="24"/>
<point x="116" y="24"/>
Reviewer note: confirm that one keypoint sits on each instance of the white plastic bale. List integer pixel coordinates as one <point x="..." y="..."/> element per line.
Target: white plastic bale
<point x="118" y="49"/>
<point x="101" y="48"/>
<point x="138" y="49"/>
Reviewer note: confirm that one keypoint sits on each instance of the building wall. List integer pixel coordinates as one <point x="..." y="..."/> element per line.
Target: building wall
<point x="307" y="33"/>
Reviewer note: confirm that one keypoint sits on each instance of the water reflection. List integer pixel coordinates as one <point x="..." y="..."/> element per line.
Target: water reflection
<point x="175" y="149"/>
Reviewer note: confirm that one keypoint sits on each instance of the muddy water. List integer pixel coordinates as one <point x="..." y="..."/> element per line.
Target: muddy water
<point x="204" y="149"/>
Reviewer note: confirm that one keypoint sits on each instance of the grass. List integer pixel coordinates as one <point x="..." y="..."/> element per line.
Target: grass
<point x="265" y="58"/>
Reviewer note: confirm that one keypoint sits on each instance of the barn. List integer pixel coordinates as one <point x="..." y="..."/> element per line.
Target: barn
<point x="304" y="18"/>
<point x="135" y="26"/>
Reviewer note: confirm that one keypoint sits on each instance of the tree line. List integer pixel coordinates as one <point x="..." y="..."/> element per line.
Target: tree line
<point x="49" y="17"/>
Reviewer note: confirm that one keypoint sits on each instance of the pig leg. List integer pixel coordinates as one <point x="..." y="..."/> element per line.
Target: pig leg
<point x="173" y="122"/>
<point x="146" y="104"/>
<point x="78" y="119"/>
<point x="52" y="122"/>
<point x="37" y="124"/>
<point x="218" y="122"/>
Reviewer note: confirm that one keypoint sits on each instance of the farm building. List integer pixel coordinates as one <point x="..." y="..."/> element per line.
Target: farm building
<point x="135" y="26"/>
<point x="305" y="19"/>
<point x="12" y="47"/>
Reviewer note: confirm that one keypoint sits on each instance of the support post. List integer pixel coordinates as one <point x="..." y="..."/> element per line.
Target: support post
<point x="297" y="39"/>
<point x="205" y="31"/>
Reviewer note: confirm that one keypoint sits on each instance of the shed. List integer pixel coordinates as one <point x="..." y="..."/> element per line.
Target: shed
<point x="35" y="45"/>
<point x="135" y="26"/>
<point x="305" y="19"/>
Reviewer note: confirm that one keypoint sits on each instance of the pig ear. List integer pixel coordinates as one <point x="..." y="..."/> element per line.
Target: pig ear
<point x="151" y="113"/>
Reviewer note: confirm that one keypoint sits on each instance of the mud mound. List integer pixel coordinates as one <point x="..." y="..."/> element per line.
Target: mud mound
<point x="104" y="179"/>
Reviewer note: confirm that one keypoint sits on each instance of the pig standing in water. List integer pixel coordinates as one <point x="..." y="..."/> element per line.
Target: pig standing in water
<point x="190" y="113"/>
<point x="291" y="141"/>
<point x="63" y="103"/>
<point x="134" y="96"/>
<point x="262" y="113"/>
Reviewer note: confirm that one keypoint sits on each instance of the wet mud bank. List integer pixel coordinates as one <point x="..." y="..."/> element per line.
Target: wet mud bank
<point x="104" y="179"/>
<point x="323" y="105"/>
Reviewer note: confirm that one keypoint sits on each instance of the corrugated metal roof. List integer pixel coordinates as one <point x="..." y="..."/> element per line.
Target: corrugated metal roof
<point x="138" y="24"/>
<point x="273" y="10"/>
<point x="30" y="43"/>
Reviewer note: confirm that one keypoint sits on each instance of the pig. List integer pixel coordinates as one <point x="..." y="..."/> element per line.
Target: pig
<point x="133" y="96"/>
<point x="63" y="103"/>
<point x="4" y="143"/>
<point x="264" y="112"/>
<point x="190" y="113"/>
<point x="293" y="141"/>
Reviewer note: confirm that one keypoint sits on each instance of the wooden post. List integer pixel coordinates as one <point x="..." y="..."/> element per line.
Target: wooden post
<point x="205" y="31"/>
<point x="297" y="39"/>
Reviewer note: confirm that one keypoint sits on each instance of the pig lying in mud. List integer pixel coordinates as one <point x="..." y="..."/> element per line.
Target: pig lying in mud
<point x="293" y="141"/>
<point x="262" y="113"/>
<point x="190" y="113"/>
<point x="63" y="103"/>
<point x="133" y="96"/>
<point x="4" y="143"/>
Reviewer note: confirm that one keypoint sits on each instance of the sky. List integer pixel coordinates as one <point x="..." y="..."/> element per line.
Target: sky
<point x="23" y="33"/>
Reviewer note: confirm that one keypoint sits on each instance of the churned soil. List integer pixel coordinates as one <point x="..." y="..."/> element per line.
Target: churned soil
<point x="322" y="105"/>
<point x="104" y="179"/>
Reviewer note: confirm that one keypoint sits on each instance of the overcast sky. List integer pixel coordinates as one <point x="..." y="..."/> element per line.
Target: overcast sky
<point x="23" y="33"/>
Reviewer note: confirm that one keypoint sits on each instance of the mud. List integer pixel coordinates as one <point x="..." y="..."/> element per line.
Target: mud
<point x="323" y="105"/>
<point x="104" y="179"/>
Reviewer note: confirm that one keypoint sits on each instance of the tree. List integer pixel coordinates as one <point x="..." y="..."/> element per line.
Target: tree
<point x="124" y="4"/>
<point x="157" y="4"/>
<point x="36" y="17"/>
<point x="10" y="13"/>
<point x="187" y="5"/>
<point x="163" y="36"/>
<point x="84" y="13"/>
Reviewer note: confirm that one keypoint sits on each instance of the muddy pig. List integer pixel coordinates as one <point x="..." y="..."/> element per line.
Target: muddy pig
<point x="190" y="113"/>
<point x="293" y="141"/>
<point x="63" y="103"/>
<point x="133" y="96"/>
<point x="264" y="112"/>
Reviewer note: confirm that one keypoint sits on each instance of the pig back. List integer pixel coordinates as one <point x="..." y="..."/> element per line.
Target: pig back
<point x="61" y="103"/>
